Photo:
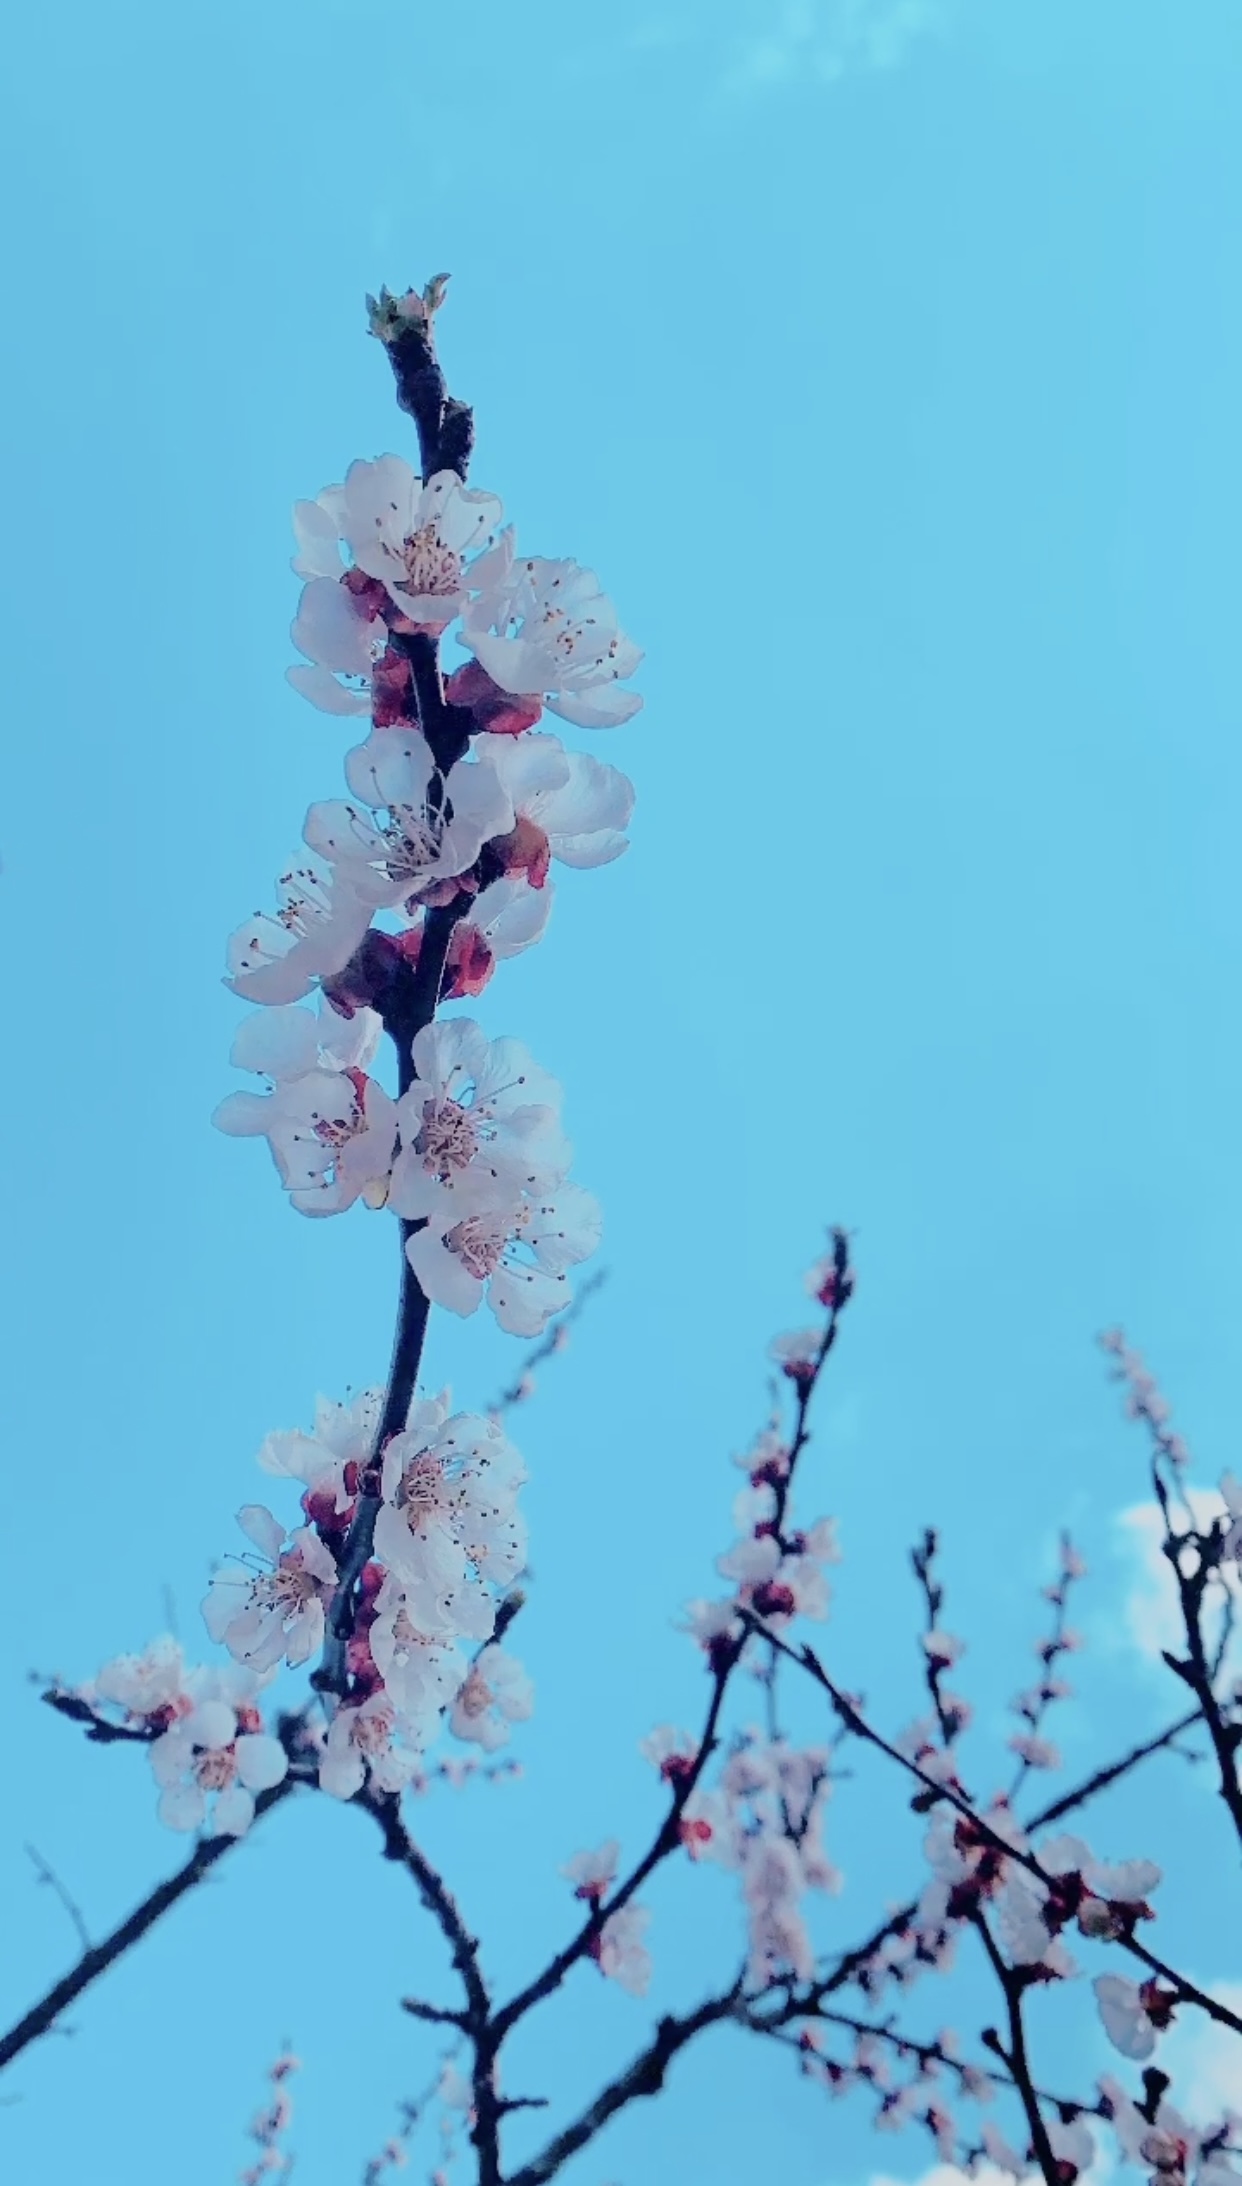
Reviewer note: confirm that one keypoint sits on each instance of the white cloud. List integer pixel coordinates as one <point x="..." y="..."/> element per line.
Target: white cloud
<point x="947" y="2174"/>
<point x="1204" y="2061"/>
<point x="823" y="40"/>
<point x="1151" y="1613"/>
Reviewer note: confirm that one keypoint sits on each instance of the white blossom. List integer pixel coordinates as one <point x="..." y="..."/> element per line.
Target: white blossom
<point x="415" y="536"/>
<point x="368" y="1740"/>
<point x="421" y="1670"/>
<point x="566" y="805"/>
<point x="479" y="1123"/>
<point x="211" y="1762"/>
<point x="318" y="924"/>
<point x="449" y="1520"/>
<point x="146" y="1686"/>
<point x="619" y="1950"/>
<point x="1124" y="2015"/>
<point x="264" y="1616"/>
<point x="496" y="1692"/>
<point x="513" y="1250"/>
<point x="434" y="829"/>
<point x="340" y="1441"/>
<point x="593" y="1873"/>
<point x="331" y="1129"/>
<point x="342" y="635"/>
<point x="544" y="629"/>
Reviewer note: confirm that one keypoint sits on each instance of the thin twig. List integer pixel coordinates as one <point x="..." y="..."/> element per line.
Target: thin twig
<point x="97" y="1959"/>
<point x="48" y="1875"/>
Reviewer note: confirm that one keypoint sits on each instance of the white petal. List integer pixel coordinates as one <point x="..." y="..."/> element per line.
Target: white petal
<point x="261" y="1761"/>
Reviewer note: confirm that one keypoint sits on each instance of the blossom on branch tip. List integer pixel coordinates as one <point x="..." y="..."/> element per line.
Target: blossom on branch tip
<point x="797" y="1353"/>
<point x="1038" y="1753"/>
<point x="495" y="1693"/>
<point x="593" y="1873"/>
<point x="543" y="629"/>
<point x="435" y="825"/>
<point x="672" y="1752"/>
<point x="1133" y="2014"/>
<point x="150" y="1688"/>
<point x="331" y="1128"/>
<point x="263" y="1617"/>
<point x="619" y="1951"/>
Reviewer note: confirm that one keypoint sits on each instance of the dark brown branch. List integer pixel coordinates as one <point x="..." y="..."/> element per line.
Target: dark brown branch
<point x="849" y="1712"/>
<point x="1072" y="1800"/>
<point x="1194" y="1669"/>
<point x="724" y="1662"/>
<point x="406" y="1004"/>
<point x="1015" y="2055"/>
<point x="645" y="2076"/>
<point x="476" y="2020"/>
<point x="100" y="1956"/>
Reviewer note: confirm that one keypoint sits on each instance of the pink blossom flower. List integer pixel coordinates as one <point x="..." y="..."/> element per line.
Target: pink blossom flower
<point x="277" y="957"/>
<point x="671" y="1751"/>
<point x="331" y="1128"/>
<point x="449" y="1521"/>
<point x="543" y="629"/>
<point x="372" y="1740"/>
<point x="797" y="1351"/>
<point x="480" y="1124"/>
<point x="265" y="1616"/>
<point x="593" y="1873"/>
<point x="414" y="536"/>
<point x="150" y="1688"/>
<point x="496" y="1693"/>
<point x="1133" y="2013"/>
<point x="410" y="829"/>
<point x="566" y="805"/>
<point x="513" y="1249"/>
<point x="211" y="1762"/>
<point x="619" y="1951"/>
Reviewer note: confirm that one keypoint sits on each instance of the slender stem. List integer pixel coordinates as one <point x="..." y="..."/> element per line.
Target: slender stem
<point x="849" y="1713"/>
<point x="407" y="1006"/>
<point x="1102" y="1778"/>
<point x="476" y="2020"/>
<point x="645" y="2076"/>
<point x="1016" y="2055"/>
<point x="1195" y="1670"/>
<point x="95" y="1961"/>
<point x="724" y="1662"/>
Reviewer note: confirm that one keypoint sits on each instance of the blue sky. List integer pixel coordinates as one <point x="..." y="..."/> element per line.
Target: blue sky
<point x="883" y="359"/>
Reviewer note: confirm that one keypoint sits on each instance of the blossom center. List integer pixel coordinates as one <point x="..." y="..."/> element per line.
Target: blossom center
<point x="430" y="567"/>
<point x="475" y="1697"/>
<point x="421" y="1493"/>
<point x="478" y="1243"/>
<point x="215" y="1768"/>
<point x="448" y="1139"/>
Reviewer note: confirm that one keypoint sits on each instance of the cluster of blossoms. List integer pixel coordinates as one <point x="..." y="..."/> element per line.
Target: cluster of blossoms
<point x="208" y="1750"/>
<point x="472" y="1153"/>
<point x="408" y="891"/>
